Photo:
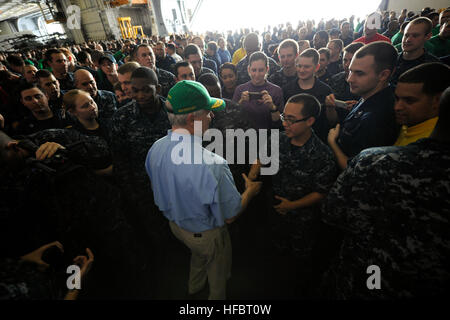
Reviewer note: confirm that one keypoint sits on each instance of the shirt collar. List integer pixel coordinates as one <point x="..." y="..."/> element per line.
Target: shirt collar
<point x="362" y="102"/>
<point x="421" y="127"/>
<point x="175" y="136"/>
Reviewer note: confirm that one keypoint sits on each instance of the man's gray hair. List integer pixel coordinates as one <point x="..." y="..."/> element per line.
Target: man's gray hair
<point x="180" y="119"/>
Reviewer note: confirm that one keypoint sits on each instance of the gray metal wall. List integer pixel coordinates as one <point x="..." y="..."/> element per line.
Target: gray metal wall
<point x="91" y="19"/>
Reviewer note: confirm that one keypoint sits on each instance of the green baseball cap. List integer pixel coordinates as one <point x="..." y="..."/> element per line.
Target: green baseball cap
<point x="188" y="96"/>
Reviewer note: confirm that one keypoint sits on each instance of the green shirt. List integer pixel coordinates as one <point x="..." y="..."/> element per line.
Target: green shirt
<point x="119" y="55"/>
<point x="40" y="64"/>
<point x="441" y="46"/>
<point x="397" y="38"/>
<point x="435" y="30"/>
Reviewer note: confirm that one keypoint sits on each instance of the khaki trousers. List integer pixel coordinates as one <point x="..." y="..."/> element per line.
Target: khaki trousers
<point x="210" y="259"/>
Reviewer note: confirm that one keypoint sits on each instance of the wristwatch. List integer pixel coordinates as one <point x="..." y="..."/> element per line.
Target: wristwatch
<point x="274" y="110"/>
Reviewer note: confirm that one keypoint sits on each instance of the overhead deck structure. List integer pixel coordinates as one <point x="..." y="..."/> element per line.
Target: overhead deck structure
<point x="99" y="18"/>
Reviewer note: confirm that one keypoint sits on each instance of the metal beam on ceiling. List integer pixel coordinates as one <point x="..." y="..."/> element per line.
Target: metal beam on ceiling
<point x="17" y="8"/>
<point x="194" y="14"/>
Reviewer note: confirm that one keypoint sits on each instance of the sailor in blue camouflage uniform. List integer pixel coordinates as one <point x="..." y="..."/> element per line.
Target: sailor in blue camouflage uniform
<point x="106" y="101"/>
<point x="307" y="170"/>
<point x="133" y="131"/>
<point x="94" y="152"/>
<point x="107" y="104"/>
<point x="166" y="79"/>
<point x="341" y="88"/>
<point x="304" y="170"/>
<point x="392" y="207"/>
<point x="287" y="53"/>
<point x="338" y="82"/>
<point x="280" y="79"/>
<point x="144" y="55"/>
<point x="64" y="201"/>
<point x="23" y="281"/>
<point x="135" y="127"/>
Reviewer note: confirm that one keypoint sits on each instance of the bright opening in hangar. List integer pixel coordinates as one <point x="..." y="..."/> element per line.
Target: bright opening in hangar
<point x="236" y="14"/>
<point x="325" y="174"/>
<point x="98" y="20"/>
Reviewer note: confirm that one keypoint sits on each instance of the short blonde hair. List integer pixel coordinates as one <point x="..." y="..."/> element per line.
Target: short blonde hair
<point x="70" y="98"/>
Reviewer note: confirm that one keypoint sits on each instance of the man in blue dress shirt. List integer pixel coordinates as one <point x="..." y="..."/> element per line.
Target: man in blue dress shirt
<point x="194" y="188"/>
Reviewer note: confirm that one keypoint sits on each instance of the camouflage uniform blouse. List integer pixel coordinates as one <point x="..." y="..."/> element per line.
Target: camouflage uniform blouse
<point x="393" y="205"/>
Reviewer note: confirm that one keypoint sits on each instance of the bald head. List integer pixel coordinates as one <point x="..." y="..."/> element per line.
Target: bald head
<point x="80" y="72"/>
<point x="85" y="81"/>
<point x="252" y="43"/>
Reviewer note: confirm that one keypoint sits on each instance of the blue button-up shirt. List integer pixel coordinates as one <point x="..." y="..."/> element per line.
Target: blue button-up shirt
<point x="196" y="194"/>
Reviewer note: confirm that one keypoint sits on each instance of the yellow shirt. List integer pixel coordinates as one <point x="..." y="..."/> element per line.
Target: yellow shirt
<point x="238" y="55"/>
<point x="412" y="134"/>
